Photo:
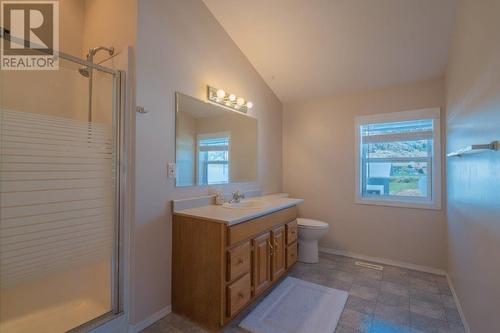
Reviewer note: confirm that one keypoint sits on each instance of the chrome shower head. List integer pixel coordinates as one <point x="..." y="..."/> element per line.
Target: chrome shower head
<point x="84" y="71"/>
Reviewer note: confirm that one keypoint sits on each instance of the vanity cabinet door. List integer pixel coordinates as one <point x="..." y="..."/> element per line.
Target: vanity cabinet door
<point x="261" y="263"/>
<point x="278" y="252"/>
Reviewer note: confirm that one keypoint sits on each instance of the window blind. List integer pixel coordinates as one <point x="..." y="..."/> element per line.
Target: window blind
<point x="214" y="144"/>
<point x="397" y="131"/>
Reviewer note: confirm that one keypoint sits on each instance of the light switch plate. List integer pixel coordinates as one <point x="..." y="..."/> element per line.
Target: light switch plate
<point x="171" y="170"/>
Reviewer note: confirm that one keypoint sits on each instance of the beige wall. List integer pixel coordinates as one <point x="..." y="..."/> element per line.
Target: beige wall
<point x="318" y="161"/>
<point x="57" y="93"/>
<point x="109" y="23"/>
<point x="181" y="47"/>
<point x="473" y="116"/>
<point x="71" y="16"/>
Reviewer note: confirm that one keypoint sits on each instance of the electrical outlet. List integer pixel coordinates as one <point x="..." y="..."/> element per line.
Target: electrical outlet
<point x="171" y="170"/>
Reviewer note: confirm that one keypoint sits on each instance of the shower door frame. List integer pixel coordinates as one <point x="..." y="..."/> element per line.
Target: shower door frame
<point x="120" y="198"/>
<point x="121" y="183"/>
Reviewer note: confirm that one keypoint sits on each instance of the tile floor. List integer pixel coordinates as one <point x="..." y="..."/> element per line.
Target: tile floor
<point x="390" y="301"/>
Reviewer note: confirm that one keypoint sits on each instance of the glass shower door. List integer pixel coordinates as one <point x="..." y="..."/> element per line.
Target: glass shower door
<point x="59" y="199"/>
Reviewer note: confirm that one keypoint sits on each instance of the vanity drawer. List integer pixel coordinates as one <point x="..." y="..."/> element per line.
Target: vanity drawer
<point x="238" y="261"/>
<point x="249" y="229"/>
<point x="238" y="294"/>
<point x="291" y="255"/>
<point x="291" y="232"/>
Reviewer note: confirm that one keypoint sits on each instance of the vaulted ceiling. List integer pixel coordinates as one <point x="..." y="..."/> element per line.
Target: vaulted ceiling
<point x="307" y="49"/>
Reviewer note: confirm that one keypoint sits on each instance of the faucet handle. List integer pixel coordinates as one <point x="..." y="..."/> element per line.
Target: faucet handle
<point x="238" y="195"/>
<point x="219" y="198"/>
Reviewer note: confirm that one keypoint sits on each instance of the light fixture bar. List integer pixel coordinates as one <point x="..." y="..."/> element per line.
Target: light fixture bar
<point x="231" y="101"/>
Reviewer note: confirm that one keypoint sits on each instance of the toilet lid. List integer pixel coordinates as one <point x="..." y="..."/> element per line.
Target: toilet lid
<point x="313" y="224"/>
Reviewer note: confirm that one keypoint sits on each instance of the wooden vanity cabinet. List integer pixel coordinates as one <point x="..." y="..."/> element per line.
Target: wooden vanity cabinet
<point x="238" y="294"/>
<point x="261" y="263"/>
<point x="291" y="243"/>
<point x="239" y="260"/>
<point x="291" y="255"/>
<point x="291" y="232"/>
<point x="218" y="270"/>
<point x="278" y="252"/>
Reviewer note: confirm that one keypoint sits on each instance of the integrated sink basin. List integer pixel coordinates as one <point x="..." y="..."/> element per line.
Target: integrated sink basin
<point x="246" y="204"/>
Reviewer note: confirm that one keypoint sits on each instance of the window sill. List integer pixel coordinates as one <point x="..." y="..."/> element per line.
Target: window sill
<point x="400" y="204"/>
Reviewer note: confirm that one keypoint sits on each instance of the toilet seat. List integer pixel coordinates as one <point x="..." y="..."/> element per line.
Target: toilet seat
<point x="311" y="224"/>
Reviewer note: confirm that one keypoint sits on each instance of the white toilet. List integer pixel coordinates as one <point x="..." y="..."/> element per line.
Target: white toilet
<point x="310" y="231"/>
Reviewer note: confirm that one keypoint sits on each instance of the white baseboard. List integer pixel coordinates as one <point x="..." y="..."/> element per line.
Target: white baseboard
<point x="459" y="305"/>
<point x="384" y="261"/>
<point x="150" y="320"/>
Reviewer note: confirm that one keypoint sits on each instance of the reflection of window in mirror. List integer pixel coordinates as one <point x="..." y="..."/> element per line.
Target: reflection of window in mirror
<point x="213" y="145"/>
<point x="213" y="158"/>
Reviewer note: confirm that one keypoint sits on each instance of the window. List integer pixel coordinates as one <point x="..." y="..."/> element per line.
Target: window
<point x="213" y="158"/>
<point x="398" y="159"/>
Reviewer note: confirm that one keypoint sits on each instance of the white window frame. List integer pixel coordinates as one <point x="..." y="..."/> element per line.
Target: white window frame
<point x="435" y="168"/>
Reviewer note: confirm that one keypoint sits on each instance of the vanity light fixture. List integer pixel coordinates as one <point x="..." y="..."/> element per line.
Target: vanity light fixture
<point x="221" y="93"/>
<point x="220" y="97"/>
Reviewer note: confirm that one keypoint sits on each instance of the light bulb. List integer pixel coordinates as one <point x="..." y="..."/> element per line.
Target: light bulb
<point x="240" y="101"/>
<point x="249" y="105"/>
<point x="221" y="93"/>
<point x="232" y="97"/>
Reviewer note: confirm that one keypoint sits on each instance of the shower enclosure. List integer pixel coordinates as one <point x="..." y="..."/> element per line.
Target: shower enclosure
<point x="60" y="197"/>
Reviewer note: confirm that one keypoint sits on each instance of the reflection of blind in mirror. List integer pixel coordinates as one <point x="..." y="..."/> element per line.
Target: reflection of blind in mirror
<point x="213" y="160"/>
<point x="214" y="144"/>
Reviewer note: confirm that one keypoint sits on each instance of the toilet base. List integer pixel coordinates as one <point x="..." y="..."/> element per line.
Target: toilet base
<point x="308" y="251"/>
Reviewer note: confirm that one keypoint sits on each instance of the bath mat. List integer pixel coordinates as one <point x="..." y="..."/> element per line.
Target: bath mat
<point x="297" y="306"/>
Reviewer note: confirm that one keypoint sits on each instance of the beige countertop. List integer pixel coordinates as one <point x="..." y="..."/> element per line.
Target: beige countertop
<point x="232" y="216"/>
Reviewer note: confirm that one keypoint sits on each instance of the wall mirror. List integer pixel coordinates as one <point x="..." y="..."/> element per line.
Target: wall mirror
<point x="213" y="145"/>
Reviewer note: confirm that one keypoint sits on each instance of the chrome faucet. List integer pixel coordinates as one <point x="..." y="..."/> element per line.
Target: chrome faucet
<point x="237" y="196"/>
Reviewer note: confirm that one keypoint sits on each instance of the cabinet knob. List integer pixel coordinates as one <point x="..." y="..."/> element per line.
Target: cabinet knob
<point x="240" y="261"/>
<point x="241" y="295"/>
